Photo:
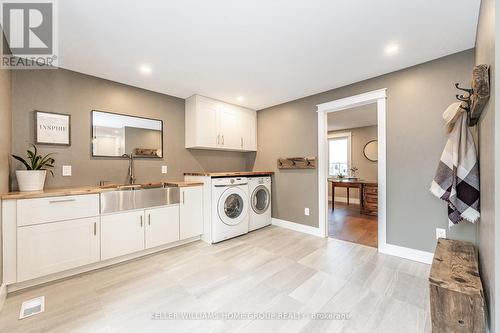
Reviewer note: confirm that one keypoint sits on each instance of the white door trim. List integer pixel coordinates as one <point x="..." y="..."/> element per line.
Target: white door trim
<point x="376" y="96"/>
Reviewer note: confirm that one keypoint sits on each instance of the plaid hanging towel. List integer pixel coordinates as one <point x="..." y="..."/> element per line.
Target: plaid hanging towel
<point x="457" y="175"/>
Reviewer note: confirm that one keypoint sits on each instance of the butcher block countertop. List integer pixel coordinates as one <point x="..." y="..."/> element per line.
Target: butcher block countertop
<point x="230" y="174"/>
<point x="183" y="183"/>
<point x="67" y="191"/>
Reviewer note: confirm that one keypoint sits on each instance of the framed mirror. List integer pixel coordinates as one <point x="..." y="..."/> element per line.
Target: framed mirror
<point x="114" y="135"/>
<point x="371" y="150"/>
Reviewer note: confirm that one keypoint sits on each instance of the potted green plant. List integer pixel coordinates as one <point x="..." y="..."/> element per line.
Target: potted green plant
<point x="33" y="178"/>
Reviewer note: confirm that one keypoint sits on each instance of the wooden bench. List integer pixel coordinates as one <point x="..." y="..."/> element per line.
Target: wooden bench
<point x="456" y="292"/>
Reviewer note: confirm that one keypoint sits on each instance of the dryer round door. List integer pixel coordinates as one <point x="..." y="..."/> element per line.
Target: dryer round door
<point x="232" y="206"/>
<point x="261" y="198"/>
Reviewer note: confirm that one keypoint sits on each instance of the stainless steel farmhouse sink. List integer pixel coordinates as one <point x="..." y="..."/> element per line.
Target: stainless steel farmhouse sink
<point x="138" y="197"/>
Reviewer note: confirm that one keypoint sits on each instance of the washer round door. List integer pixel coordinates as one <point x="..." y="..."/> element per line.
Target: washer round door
<point x="261" y="198"/>
<point x="232" y="206"/>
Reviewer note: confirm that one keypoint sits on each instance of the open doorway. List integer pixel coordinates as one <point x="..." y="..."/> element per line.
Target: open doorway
<point x="376" y="98"/>
<point x="352" y="175"/>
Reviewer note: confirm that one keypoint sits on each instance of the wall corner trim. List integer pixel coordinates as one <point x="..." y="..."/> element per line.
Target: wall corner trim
<point x="306" y="229"/>
<point x="407" y="253"/>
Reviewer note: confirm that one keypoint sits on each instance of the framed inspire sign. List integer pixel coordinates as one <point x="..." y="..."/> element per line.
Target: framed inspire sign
<point x="52" y="128"/>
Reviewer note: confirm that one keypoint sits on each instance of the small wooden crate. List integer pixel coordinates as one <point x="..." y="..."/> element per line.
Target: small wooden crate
<point x="456" y="292"/>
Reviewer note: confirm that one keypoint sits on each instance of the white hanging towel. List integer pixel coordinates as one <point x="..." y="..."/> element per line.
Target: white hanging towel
<point x="457" y="175"/>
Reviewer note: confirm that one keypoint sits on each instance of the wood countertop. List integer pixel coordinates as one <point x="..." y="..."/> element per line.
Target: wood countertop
<point x="57" y="192"/>
<point x="230" y="174"/>
<point x="184" y="183"/>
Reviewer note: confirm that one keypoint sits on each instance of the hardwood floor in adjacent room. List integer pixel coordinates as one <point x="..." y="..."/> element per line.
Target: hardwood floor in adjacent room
<point x="347" y="223"/>
<point x="272" y="272"/>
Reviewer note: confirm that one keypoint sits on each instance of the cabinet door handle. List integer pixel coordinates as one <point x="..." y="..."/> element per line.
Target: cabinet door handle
<point x="149" y="219"/>
<point x="218" y="139"/>
<point x="242" y="142"/>
<point x="63" y="200"/>
<point x="183" y="197"/>
<point x="222" y="138"/>
<point x="141" y="221"/>
<point x="95" y="228"/>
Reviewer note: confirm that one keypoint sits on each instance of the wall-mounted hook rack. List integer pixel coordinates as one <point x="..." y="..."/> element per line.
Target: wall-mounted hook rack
<point x="297" y="163"/>
<point x="463" y="89"/>
<point x="475" y="97"/>
<point x="465" y="98"/>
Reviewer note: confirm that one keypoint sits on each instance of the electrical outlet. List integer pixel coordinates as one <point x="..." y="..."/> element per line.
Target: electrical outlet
<point x="164" y="169"/>
<point x="66" y="170"/>
<point x="306" y="211"/>
<point x="440" y="233"/>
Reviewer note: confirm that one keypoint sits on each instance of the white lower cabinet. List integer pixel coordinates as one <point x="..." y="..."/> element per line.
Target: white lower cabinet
<point x="122" y="233"/>
<point x="162" y="226"/>
<point x="191" y="212"/>
<point x="42" y="246"/>
<point x="53" y="247"/>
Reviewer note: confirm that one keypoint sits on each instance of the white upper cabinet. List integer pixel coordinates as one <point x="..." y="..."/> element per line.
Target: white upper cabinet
<point x="248" y="130"/>
<point x="201" y="118"/>
<point x="211" y="124"/>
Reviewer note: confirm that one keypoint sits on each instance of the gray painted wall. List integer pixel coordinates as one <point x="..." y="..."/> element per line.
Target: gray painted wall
<point x="5" y="137"/>
<point x="485" y="54"/>
<point x="65" y="91"/>
<point x="417" y="97"/>
<point x="367" y="169"/>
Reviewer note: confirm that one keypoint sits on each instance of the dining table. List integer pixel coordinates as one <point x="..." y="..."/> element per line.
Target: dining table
<point x="349" y="183"/>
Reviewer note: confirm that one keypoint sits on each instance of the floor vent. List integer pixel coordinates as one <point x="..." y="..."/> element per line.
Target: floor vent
<point x="32" y="307"/>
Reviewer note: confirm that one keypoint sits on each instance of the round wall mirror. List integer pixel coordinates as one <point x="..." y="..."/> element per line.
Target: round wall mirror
<point x="371" y="150"/>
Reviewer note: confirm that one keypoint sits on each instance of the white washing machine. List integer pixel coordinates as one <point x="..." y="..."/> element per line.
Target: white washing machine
<point x="260" y="202"/>
<point x="230" y="208"/>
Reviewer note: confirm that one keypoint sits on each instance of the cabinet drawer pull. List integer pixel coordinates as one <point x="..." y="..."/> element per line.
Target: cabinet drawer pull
<point x="63" y="200"/>
<point x="95" y="228"/>
<point x="141" y="221"/>
<point x="149" y="219"/>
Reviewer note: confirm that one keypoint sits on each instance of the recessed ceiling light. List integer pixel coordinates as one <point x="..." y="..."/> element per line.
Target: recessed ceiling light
<point x="145" y="69"/>
<point x="240" y="98"/>
<point x="391" y="49"/>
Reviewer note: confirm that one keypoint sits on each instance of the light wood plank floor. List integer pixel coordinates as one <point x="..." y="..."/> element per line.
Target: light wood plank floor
<point x="272" y="270"/>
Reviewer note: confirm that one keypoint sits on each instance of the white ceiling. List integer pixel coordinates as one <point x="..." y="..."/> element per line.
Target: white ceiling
<point x="360" y="116"/>
<point x="269" y="52"/>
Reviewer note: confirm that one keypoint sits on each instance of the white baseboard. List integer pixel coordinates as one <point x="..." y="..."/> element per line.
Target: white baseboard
<point x="297" y="227"/>
<point x="344" y="200"/>
<point x="3" y="295"/>
<point x="406" y="253"/>
<point x="390" y="249"/>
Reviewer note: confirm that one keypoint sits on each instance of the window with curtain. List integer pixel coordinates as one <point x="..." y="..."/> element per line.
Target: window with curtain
<point x="339" y="155"/>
